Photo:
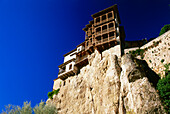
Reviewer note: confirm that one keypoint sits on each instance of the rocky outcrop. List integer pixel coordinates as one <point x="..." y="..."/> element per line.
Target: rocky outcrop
<point x="108" y="85"/>
<point x="137" y="95"/>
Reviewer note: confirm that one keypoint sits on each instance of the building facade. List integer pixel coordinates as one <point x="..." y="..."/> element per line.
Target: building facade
<point x="103" y="32"/>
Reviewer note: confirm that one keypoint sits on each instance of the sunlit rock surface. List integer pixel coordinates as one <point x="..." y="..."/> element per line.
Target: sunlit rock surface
<point x="108" y="85"/>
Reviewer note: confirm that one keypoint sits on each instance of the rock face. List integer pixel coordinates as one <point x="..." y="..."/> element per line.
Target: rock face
<point x="108" y="85"/>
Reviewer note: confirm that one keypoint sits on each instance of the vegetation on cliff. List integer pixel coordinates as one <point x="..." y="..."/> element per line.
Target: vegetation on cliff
<point x="137" y="52"/>
<point x="164" y="29"/>
<point x="163" y="87"/>
<point x="55" y="92"/>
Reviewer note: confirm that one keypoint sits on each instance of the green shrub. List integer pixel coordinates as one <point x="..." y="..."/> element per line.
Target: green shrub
<point x="56" y="91"/>
<point x="138" y="52"/>
<point x="163" y="87"/>
<point x="166" y="68"/>
<point x="164" y="29"/>
<point x="50" y="94"/>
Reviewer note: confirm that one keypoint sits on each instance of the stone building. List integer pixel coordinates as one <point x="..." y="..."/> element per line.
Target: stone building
<point x="103" y="32"/>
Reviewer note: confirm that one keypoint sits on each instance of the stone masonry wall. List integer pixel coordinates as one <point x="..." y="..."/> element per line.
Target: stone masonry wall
<point x="158" y="52"/>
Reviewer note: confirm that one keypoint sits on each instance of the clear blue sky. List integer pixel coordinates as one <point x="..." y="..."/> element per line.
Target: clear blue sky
<point x="35" y="34"/>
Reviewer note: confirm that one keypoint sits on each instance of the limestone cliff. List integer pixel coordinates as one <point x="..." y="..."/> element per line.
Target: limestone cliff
<point x="109" y="85"/>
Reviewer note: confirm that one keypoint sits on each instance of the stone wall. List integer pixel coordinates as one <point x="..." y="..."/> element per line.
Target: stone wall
<point x="158" y="50"/>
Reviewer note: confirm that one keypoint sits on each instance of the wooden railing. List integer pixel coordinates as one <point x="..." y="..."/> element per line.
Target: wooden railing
<point x="105" y="30"/>
<point x="97" y="23"/>
<point x="103" y="21"/>
<point x="111" y="28"/>
<point x="78" y="59"/>
<point x="61" y="71"/>
<point x="105" y="39"/>
<point x="98" y="33"/>
<point x="98" y="42"/>
<point x="111" y="37"/>
<point x="89" y="34"/>
<point x="110" y="18"/>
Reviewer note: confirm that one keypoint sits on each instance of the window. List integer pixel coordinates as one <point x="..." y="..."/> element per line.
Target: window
<point x="110" y="25"/>
<point x="97" y="20"/>
<point x="70" y="67"/>
<point x="78" y="49"/>
<point x="109" y="15"/>
<point x="103" y="17"/>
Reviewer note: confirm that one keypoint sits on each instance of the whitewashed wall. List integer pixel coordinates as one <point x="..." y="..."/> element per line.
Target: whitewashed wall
<point x="70" y="56"/>
<point x="68" y="65"/>
<point x="80" y="48"/>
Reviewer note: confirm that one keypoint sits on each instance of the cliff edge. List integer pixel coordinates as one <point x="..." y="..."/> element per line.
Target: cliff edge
<point x="110" y="85"/>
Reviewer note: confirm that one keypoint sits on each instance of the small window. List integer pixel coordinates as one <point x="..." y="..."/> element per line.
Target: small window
<point x="79" y="49"/>
<point x="64" y="83"/>
<point x="70" y="67"/>
<point x="109" y="15"/>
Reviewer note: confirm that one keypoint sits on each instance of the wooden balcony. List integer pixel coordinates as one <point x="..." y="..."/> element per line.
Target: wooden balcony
<point x="65" y="75"/>
<point x="105" y="40"/>
<point x="105" y="30"/>
<point x="98" y="33"/>
<point x="98" y="42"/>
<point x="81" y="61"/>
<point x="89" y="43"/>
<point x="98" y="23"/>
<point x="61" y="71"/>
<point x="89" y="34"/>
<point x="111" y="18"/>
<point x="111" y="29"/>
<point x="103" y="21"/>
<point x="112" y="38"/>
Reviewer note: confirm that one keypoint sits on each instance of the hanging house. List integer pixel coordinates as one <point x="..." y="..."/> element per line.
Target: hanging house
<point x="101" y="33"/>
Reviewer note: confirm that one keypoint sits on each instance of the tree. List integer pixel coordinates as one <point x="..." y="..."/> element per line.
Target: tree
<point x="163" y="87"/>
<point x="42" y="108"/>
<point x="164" y="29"/>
